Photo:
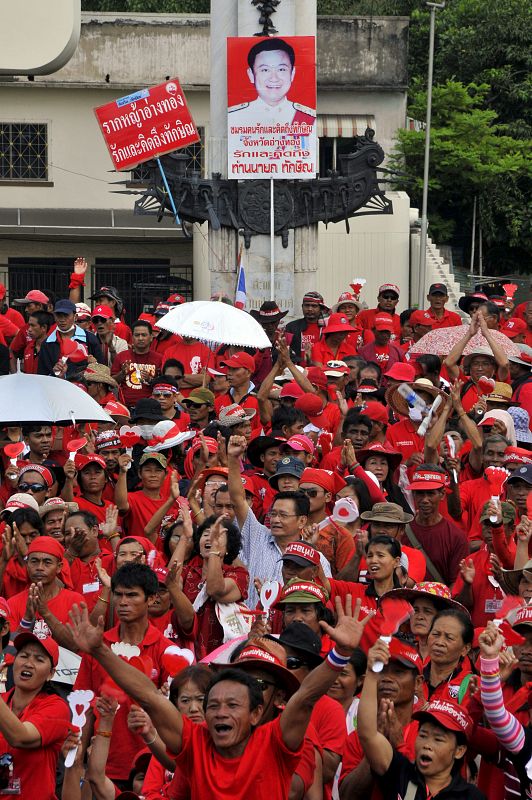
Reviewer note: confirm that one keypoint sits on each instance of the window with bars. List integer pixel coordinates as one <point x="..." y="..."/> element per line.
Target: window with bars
<point x="23" y="151"/>
<point x="195" y="163"/>
<point x="330" y="150"/>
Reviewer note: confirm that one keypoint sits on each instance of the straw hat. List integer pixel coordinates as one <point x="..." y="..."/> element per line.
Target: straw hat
<point x="99" y="373"/>
<point x="398" y="402"/>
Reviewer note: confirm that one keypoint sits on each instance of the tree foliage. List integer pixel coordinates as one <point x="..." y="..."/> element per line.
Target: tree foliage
<point x="149" y="6"/>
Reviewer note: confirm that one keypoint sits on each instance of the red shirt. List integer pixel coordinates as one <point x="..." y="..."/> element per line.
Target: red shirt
<point x="403" y="436"/>
<point x="445" y="544"/>
<point x="124" y="744"/>
<point x="473" y="496"/>
<point x="487" y="594"/>
<point x="328" y="419"/>
<point x="210" y="633"/>
<point x="141" y="510"/>
<point x="162" y="345"/>
<point x="310" y="335"/>
<point x="123" y="331"/>
<point x="132" y="388"/>
<point x="59" y="605"/>
<point x="34" y="768"/>
<point x="194" y="356"/>
<point x="85" y="578"/>
<point x="321" y="354"/>
<point x="98" y="510"/>
<point x="165" y="625"/>
<point x="21" y="340"/>
<point x="15" y="317"/>
<point x="353" y="752"/>
<point x="15" y="578"/>
<point x="263" y="772"/>
<point x="30" y="359"/>
<point x="385" y="356"/>
<point x="248" y="401"/>
<point x="328" y="719"/>
<point x="366" y="319"/>
<point x="450" y="319"/>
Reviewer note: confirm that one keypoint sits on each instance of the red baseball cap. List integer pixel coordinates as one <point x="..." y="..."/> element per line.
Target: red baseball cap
<point x="299" y="442"/>
<point x="116" y="409"/>
<point x="514" y="327"/>
<point x="310" y="404"/>
<point x="448" y="715"/>
<point x="47" y="643"/>
<point x="420" y="317"/>
<point x="401" y="372"/>
<point x="175" y="299"/>
<point x="406" y="654"/>
<point x="383" y="322"/>
<point x="291" y="389"/>
<point x="34" y="296"/>
<point x="523" y="617"/>
<point x="317" y="377"/>
<point x="103" y="311"/>
<point x="82" y="460"/>
<point x="426" y="479"/>
<point x="301" y="553"/>
<point x="375" y="411"/>
<point x="249" y="485"/>
<point x="240" y="359"/>
<point x="162" y="573"/>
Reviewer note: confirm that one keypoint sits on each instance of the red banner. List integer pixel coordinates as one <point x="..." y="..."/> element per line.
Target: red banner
<point x="146" y="124"/>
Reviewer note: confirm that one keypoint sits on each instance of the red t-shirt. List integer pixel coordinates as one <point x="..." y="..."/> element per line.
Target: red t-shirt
<point x="445" y="544"/>
<point x="194" y="356"/>
<point x="310" y="335"/>
<point x="98" y="510"/>
<point x="385" y="356"/>
<point x="366" y="319"/>
<point x="59" y="605"/>
<point x="30" y="359"/>
<point x="124" y="744"/>
<point x="21" y="340"/>
<point x="321" y="354"/>
<point x="123" y="331"/>
<point x="85" y="578"/>
<point x="15" y="578"/>
<point x="15" y="317"/>
<point x="249" y="401"/>
<point x="473" y="495"/>
<point x="34" y="768"/>
<point x="162" y="345"/>
<point x="141" y="510"/>
<point x="328" y="419"/>
<point x="263" y="772"/>
<point x="132" y="388"/>
<point x="353" y="753"/>
<point x="404" y="437"/>
<point x="487" y="596"/>
<point x="328" y="719"/>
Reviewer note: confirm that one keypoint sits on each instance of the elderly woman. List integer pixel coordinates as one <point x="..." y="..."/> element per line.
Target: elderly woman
<point x="34" y="722"/>
<point x="449" y="641"/>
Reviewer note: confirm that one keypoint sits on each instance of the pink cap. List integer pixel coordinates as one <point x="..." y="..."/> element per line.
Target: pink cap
<point x="299" y="442"/>
<point x="34" y="296"/>
<point x="291" y="389"/>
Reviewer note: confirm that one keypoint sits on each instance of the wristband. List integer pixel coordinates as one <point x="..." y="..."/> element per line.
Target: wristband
<point x="336" y="661"/>
<point x="27" y="624"/>
<point x="105" y="734"/>
<point x="113" y="536"/>
<point x="102" y="599"/>
<point x="76" y="280"/>
<point x="151" y="740"/>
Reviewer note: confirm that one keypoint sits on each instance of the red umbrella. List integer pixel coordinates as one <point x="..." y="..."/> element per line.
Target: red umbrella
<point x="442" y="341"/>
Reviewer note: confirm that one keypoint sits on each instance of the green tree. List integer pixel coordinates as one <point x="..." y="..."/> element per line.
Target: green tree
<point x="471" y="155"/>
<point x="149" y="6"/>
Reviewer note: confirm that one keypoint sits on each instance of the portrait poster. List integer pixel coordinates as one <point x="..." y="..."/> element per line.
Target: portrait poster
<point x="271" y="115"/>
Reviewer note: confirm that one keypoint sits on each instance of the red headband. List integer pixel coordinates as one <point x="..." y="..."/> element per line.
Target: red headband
<point x="45" y="544"/>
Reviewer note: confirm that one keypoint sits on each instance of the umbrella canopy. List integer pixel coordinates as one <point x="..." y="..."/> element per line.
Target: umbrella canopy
<point x="442" y="341"/>
<point x="215" y="322"/>
<point x="40" y="398"/>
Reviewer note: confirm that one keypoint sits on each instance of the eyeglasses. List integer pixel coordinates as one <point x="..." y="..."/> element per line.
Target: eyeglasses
<point x="294" y="662"/>
<point x="32" y="487"/>
<point x="264" y="684"/>
<point x="281" y="515"/>
<point x="310" y="492"/>
<point x="389" y="296"/>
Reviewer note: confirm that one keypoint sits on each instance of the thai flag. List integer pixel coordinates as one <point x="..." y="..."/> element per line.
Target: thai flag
<point x="240" y="294"/>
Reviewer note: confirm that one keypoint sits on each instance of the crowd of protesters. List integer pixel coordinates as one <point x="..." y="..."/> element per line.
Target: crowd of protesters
<point x="224" y="566"/>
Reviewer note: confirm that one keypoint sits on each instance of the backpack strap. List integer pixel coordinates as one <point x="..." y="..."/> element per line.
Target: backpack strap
<point x="414" y="541"/>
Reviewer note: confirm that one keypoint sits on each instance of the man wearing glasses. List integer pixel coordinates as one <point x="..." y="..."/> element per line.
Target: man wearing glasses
<point x="165" y="390"/>
<point x="262" y="547"/>
<point x="387" y="300"/>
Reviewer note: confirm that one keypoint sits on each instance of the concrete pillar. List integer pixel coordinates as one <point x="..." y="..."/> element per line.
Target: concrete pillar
<point x="296" y="265"/>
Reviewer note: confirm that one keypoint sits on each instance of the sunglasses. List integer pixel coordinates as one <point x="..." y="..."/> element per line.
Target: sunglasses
<point x="96" y="320"/>
<point x="295" y="662"/>
<point x="32" y="487"/>
<point x="162" y="394"/>
<point x="310" y="492"/>
<point x="264" y="684"/>
<point x="389" y="296"/>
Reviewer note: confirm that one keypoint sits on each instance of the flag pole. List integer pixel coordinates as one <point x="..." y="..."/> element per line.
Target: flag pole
<point x="168" y="192"/>
<point x="238" y="266"/>
<point x="272" y="242"/>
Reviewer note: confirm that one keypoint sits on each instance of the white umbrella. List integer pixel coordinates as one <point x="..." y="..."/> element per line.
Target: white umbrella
<point x="215" y="322"/>
<point x="41" y="398"/>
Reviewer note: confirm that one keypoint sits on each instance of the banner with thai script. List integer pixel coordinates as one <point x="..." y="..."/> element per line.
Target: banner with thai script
<point x="147" y="123"/>
<point x="271" y="115"/>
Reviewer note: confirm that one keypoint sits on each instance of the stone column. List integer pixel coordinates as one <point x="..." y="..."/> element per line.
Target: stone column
<point x="296" y="265"/>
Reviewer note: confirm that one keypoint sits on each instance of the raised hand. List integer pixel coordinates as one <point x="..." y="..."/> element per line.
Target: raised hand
<point x="87" y="637"/>
<point x="347" y="454"/>
<point x="216" y="535"/>
<point x="111" y="521"/>
<point x="380" y="652"/>
<point x="523" y="531"/>
<point x="123" y="462"/>
<point x="495" y="511"/>
<point x="138" y="721"/>
<point x="310" y="533"/>
<point x="348" y="630"/>
<point x="342" y="403"/>
<point x="103" y="575"/>
<point x="222" y="449"/>
<point x="507" y="663"/>
<point x="107" y="707"/>
<point x="8" y="547"/>
<point x="69" y="469"/>
<point x="467" y="570"/>
<point x="80" y="266"/>
<point x="173" y="579"/>
<point x="20" y="542"/>
<point x="237" y="446"/>
<point x="174" y="485"/>
<point x="491" y="641"/>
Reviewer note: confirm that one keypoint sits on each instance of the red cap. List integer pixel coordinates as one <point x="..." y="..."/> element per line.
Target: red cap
<point x="103" y="311"/>
<point x="44" y="471"/>
<point x="375" y="411"/>
<point x="240" y="359"/>
<point x="47" y="643"/>
<point x="514" y="327"/>
<point x="517" y="455"/>
<point x="5" y="611"/>
<point x="249" y="485"/>
<point x="338" y="323"/>
<point x="405" y="373"/>
<point x="291" y="389"/>
<point x="35" y="296"/>
<point x="389" y="287"/>
<point x="116" y="409"/>
<point x="449" y="715"/>
<point x="523" y="617"/>
<point x="321" y="477"/>
<point x="84" y="459"/>
<point x="426" y="479"/>
<point x="301" y="552"/>
<point x="487" y="421"/>
<point x="383" y="322"/>
<point x="175" y="299"/>
<point x="406" y="654"/>
<point x="310" y="404"/>
<point x="162" y="574"/>
<point x="420" y="317"/>
<point x="299" y="442"/>
<point x="317" y="377"/>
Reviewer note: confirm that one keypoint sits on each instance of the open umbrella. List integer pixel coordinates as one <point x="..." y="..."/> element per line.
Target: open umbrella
<point x="41" y="398"/>
<point x="216" y="323"/>
<point x="441" y="342"/>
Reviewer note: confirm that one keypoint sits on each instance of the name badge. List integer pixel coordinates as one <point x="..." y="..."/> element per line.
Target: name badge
<point x="91" y="587"/>
<point x="492" y="606"/>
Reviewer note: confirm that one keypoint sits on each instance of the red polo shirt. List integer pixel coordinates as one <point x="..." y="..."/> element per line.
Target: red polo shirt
<point x="321" y="354"/>
<point x="403" y="436"/>
<point x="450" y="319"/>
<point x="124" y="744"/>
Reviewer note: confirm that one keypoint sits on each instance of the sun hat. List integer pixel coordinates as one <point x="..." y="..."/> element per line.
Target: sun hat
<point x="158" y="457"/>
<point x="448" y="715"/>
<point x="286" y="375"/>
<point x="258" y="446"/>
<point x="299" y="442"/>
<point x="286" y="466"/>
<point x="427" y="479"/>
<point x="524" y="358"/>
<point x="33" y="296"/>
<point x="46" y="642"/>
<point x="265" y="654"/>
<point x="465" y="302"/>
<point x="302" y="554"/>
<point x="521" y="420"/>
<point x="398" y="402"/>
<point x="298" y="591"/>
<point x="57" y="504"/>
<point x="393" y="457"/>
<point x="167" y="434"/>
<point x="344" y="299"/>
<point x="240" y="359"/>
<point x="501" y="393"/>
<point x="438" y="593"/>
<point x="400" y="371"/>
<point x="387" y="512"/>
<point x="478" y="351"/>
<point x="234" y="414"/>
<point x="389" y="287"/>
<point x="524" y="615"/>
<point x="147" y="408"/>
<point x="20" y="500"/>
<point x="268" y="312"/>
<point x="99" y="373"/>
<point x="199" y="397"/>
<point x="509" y="579"/>
<point x="303" y="640"/>
<point x="338" y="323"/>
